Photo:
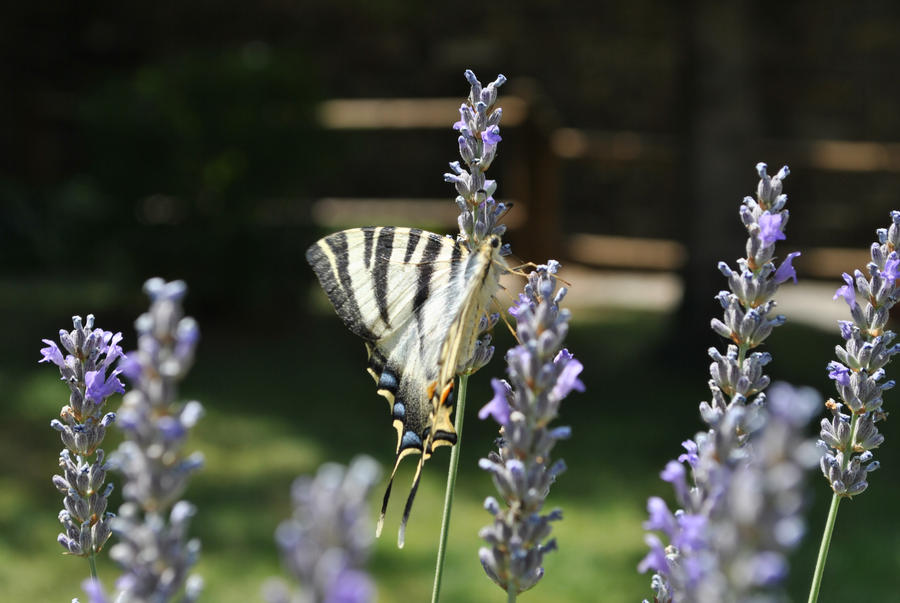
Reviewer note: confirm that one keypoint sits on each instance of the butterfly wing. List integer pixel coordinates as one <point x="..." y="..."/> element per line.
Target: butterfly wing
<point x="405" y="292"/>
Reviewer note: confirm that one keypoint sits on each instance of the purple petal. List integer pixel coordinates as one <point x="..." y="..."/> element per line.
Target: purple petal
<point x="692" y="533"/>
<point x="891" y="269"/>
<point x="656" y="558"/>
<point x="769" y="568"/>
<point x="770" y="228"/>
<point x="568" y="377"/>
<point x="674" y="473"/>
<point x="839" y="372"/>
<point x="847" y="291"/>
<point x="94" y="590"/>
<point x="786" y="270"/>
<point x="130" y="366"/>
<point x="98" y="388"/>
<point x="660" y="517"/>
<point x="498" y="407"/>
<point x="351" y="586"/>
<point x="491" y="136"/>
<point x="522" y="304"/>
<point x="170" y="428"/>
<point x="691" y="455"/>
<point x="846" y="329"/>
<point x="52" y="353"/>
<point x="112" y="348"/>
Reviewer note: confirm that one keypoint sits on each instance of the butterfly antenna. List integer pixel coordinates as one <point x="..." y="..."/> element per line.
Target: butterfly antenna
<point x="503" y="316"/>
<point x="401" y="535"/>
<point x="387" y="496"/>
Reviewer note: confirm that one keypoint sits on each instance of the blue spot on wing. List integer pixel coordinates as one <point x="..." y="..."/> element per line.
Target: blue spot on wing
<point x="410" y="440"/>
<point x="399" y="410"/>
<point x="388" y="381"/>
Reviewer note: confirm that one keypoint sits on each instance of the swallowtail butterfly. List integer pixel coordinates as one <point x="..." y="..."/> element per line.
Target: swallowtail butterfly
<point x="416" y="298"/>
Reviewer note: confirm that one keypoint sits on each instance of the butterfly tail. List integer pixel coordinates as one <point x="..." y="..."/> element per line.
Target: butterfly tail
<point x="387" y="495"/>
<point x="401" y="535"/>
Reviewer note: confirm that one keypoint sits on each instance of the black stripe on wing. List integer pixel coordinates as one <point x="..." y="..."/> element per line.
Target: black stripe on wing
<point x="411" y="243"/>
<point x="336" y="282"/>
<point x="383" y="248"/>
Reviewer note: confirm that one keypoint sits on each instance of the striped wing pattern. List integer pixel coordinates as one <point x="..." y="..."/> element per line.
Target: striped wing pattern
<point x="415" y="297"/>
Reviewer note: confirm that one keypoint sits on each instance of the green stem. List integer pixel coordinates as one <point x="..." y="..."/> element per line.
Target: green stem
<point x="93" y="565"/>
<point x="451" y="484"/>
<point x="511" y="593"/>
<point x="823" y="549"/>
<point x="819" y="572"/>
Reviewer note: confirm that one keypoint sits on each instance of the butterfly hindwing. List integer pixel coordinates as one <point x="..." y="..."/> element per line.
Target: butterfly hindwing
<point x="415" y="298"/>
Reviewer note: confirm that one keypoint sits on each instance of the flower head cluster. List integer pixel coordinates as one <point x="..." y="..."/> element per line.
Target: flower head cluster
<point x="541" y="374"/>
<point x="480" y="213"/>
<point x="695" y="555"/>
<point x="327" y="541"/>
<point x="730" y="538"/>
<point x="87" y="368"/>
<point x="479" y="135"/>
<point x="748" y="305"/>
<point x="848" y="440"/>
<point x="152" y="526"/>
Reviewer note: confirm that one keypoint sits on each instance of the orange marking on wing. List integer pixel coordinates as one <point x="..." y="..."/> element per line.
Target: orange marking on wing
<point x="446" y="392"/>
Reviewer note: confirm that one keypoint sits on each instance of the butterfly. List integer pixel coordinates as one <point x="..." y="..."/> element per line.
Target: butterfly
<point x="416" y="298"/>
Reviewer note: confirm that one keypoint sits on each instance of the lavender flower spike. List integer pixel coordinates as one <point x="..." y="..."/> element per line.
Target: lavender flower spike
<point x="479" y="128"/>
<point x="480" y="213"/>
<point x="696" y="563"/>
<point x="743" y="515"/>
<point x="87" y="368"/>
<point x="748" y="305"/>
<point x="152" y="526"/>
<point x="541" y="373"/>
<point x="327" y="541"/>
<point x="849" y="439"/>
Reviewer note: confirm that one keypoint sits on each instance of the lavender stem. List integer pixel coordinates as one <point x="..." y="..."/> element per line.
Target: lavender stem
<point x="451" y="486"/>
<point x="823" y="548"/>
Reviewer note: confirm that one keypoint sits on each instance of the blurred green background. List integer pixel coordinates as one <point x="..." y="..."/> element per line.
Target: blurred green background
<point x="202" y="141"/>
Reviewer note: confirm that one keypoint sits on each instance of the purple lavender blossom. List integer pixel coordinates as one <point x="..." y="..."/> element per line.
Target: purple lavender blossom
<point x="846" y="291"/>
<point x="786" y="269"/>
<point x="770" y="228"/>
<point x="747" y="320"/>
<point x="90" y="353"/>
<point x="153" y="550"/>
<point x="327" y="541"/>
<point x="541" y="373"/>
<point x="705" y="534"/>
<point x="480" y="213"/>
<point x="479" y="128"/>
<point x="743" y="513"/>
<point x="498" y="407"/>
<point x="848" y="440"/>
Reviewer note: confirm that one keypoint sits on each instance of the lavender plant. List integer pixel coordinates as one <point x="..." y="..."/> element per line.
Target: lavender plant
<point x="696" y="564"/>
<point x="327" y="541"/>
<point x="743" y="513"/>
<point x="480" y="213"/>
<point x="154" y="551"/>
<point x="87" y="368"/>
<point x="849" y="439"/>
<point x="479" y="136"/>
<point x="541" y="374"/>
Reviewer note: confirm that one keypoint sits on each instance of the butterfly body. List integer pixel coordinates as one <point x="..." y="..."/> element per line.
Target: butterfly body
<point x="416" y="299"/>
